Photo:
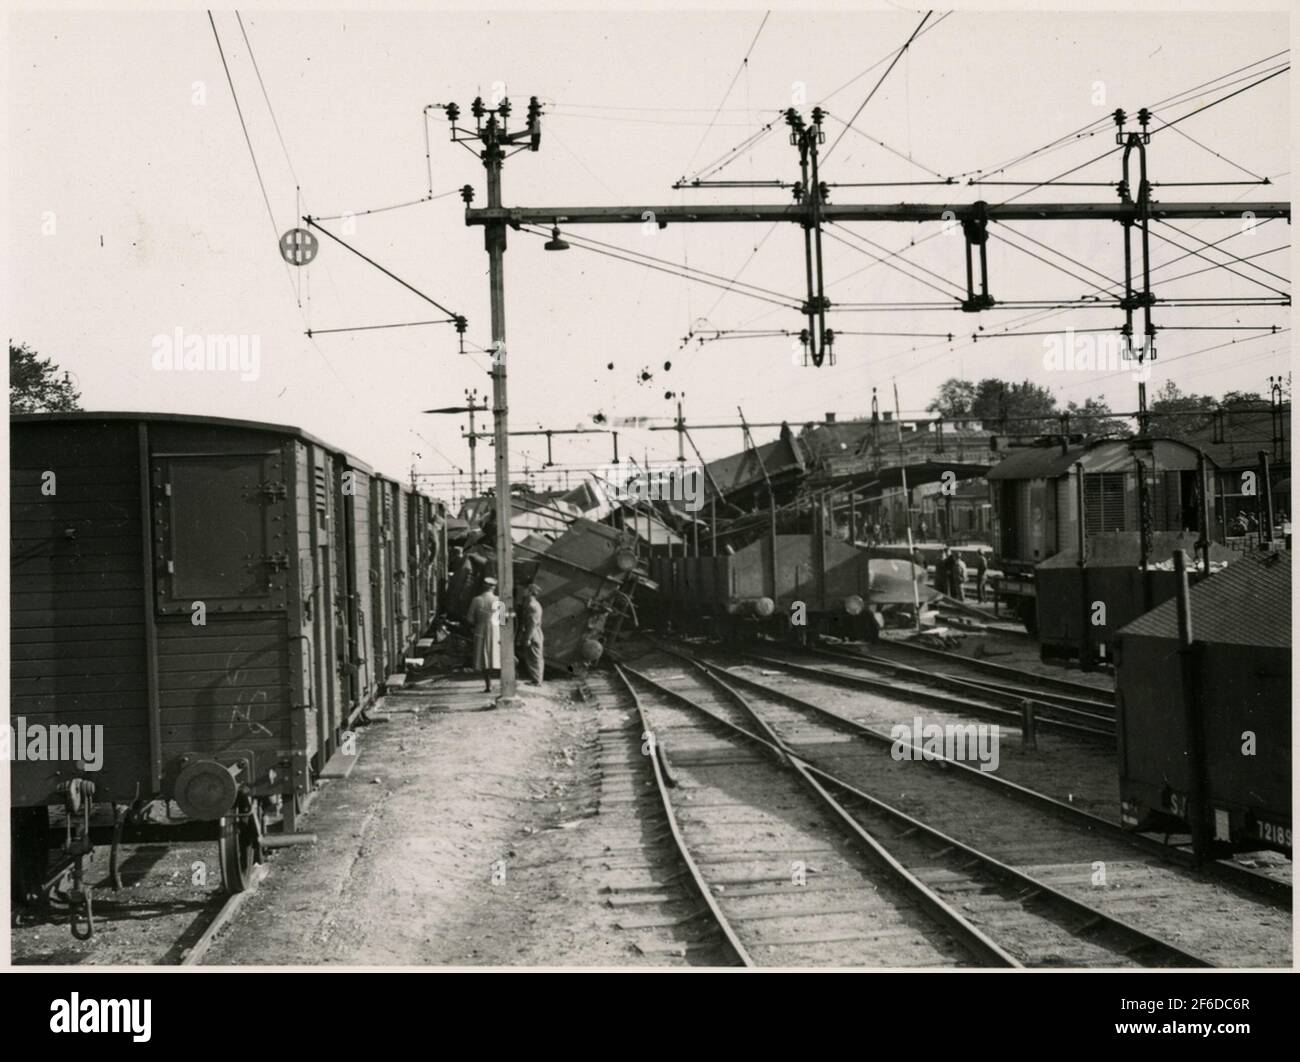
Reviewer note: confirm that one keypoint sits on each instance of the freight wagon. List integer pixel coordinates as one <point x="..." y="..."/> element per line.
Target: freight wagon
<point x="218" y="600"/>
<point x="792" y="583"/>
<point x="1204" y="713"/>
<point x="586" y="581"/>
<point x="1127" y="504"/>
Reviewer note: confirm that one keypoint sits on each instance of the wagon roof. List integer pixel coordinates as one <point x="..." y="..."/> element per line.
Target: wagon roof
<point x="745" y="469"/>
<point x="189" y="418"/>
<point x="1245" y="433"/>
<point x="1102" y="455"/>
<point x="1248" y="603"/>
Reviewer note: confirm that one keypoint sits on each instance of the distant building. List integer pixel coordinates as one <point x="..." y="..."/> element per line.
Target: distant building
<point x="1234" y="438"/>
<point x="944" y="461"/>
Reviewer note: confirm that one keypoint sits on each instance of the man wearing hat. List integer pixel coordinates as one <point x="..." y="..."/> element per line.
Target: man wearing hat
<point x="530" y="636"/>
<point x="485" y="617"/>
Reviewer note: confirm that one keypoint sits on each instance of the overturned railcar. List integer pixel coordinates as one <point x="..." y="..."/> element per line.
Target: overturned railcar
<point x="586" y="579"/>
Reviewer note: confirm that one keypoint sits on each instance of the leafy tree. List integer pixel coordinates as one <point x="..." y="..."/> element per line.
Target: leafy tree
<point x="1095" y="420"/>
<point x="1176" y="414"/>
<point x="1244" y="400"/>
<point x="35" y="385"/>
<point x="954" y="399"/>
<point x="1028" y="408"/>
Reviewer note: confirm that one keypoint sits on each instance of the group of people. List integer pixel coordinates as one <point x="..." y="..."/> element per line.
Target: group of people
<point x="485" y="617"/>
<point x="951" y="572"/>
<point x="1247" y="522"/>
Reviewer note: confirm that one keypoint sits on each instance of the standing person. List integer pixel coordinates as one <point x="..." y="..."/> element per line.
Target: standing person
<point x="981" y="575"/>
<point x="942" y="571"/>
<point x="958" y="580"/>
<point x="925" y="530"/>
<point x="530" y="636"/>
<point x="485" y="617"/>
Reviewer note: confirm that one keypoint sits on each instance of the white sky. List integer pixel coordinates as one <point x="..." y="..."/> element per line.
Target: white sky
<point x="160" y="223"/>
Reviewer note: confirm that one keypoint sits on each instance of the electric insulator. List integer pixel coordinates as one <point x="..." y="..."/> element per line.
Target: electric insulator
<point x="453" y="112"/>
<point x="467" y="194"/>
<point x="534" y="109"/>
<point x="476" y="108"/>
<point x="503" y="108"/>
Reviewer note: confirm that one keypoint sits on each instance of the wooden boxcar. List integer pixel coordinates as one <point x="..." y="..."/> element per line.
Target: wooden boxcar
<point x="222" y="597"/>
<point x="1234" y="686"/>
<point x="1127" y="484"/>
<point x="826" y="577"/>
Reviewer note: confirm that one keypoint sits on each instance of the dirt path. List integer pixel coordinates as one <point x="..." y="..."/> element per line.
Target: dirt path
<point x="463" y="837"/>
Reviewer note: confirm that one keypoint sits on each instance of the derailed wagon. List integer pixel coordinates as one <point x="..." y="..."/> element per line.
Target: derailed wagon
<point x="586" y="579"/>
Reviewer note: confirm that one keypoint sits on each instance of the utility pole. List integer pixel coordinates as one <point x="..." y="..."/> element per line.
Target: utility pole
<point x="471" y="408"/>
<point x="470" y="397"/>
<point x="811" y="210"/>
<point x="907" y="506"/>
<point x="490" y="129"/>
<point x="548" y="433"/>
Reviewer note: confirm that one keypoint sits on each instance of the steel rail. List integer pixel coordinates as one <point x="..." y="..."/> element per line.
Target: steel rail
<point x="1049" y="682"/>
<point x="946" y="701"/>
<point x="661" y="784"/>
<point x="1139" y="939"/>
<point x="981" y="947"/>
<point x="822" y="780"/>
<point x="1089" y="708"/>
<point x="1270" y="889"/>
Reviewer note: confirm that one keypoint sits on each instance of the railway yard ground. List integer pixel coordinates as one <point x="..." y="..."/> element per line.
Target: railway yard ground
<point x="475" y="833"/>
<point x="537" y="836"/>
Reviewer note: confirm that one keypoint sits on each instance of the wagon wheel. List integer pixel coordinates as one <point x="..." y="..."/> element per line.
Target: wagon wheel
<point x="239" y="846"/>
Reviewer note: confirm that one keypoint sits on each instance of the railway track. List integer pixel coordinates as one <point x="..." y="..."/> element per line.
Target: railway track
<point x="978" y="698"/>
<point x="1082" y="704"/>
<point x="789" y="876"/>
<point x="1028" y="921"/>
<point x="166" y="912"/>
<point x="1008" y="674"/>
<point x="652" y="880"/>
<point x="1221" y="914"/>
